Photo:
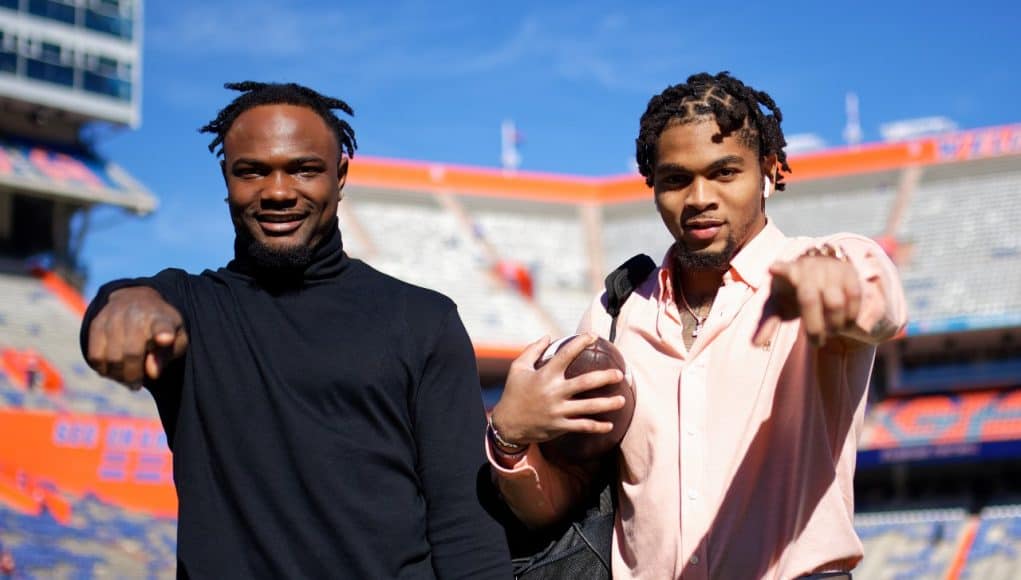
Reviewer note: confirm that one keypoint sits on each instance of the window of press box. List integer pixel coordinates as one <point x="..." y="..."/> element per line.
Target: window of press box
<point x="47" y="63"/>
<point x="59" y="10"/>
<point x="116" y="88"/>
<point x="106" y="76"/>
<point x="8" y="53"/>
<point x="49" y="72"/>
<point x="49" y="52"/>
<point x="110" y="17"/>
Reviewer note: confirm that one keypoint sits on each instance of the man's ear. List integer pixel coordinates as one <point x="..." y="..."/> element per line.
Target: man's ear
<point x="342" y="166"/>
<point x="769" y="170"/>
<point x="769" y="167"/>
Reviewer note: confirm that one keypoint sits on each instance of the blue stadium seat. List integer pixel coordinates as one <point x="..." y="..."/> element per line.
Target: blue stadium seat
<point x="908" y="544"/>
<point x="996" y="551"/>
<point x="101" y="541"/>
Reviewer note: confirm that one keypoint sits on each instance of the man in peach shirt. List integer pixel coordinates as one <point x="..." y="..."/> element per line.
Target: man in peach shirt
<point x="750" y="353"/>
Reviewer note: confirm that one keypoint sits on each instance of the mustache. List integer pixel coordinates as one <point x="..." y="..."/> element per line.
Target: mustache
<point x="691" y="214"/>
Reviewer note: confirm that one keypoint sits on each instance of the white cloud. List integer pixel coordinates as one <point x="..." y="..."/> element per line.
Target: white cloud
<point x="804" y="143"/>
<point x="252" y="29"/>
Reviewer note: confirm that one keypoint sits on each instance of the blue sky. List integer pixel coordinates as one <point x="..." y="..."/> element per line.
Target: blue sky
<point x="433" y="80"/>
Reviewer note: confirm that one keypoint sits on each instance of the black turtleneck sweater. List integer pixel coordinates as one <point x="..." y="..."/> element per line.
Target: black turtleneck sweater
<point x="329" y="426"/>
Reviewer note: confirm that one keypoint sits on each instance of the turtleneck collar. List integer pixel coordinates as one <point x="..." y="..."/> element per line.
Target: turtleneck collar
<point x="328" y="260"/>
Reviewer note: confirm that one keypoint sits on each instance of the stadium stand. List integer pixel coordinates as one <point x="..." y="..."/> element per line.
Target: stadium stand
<point x="549" y="241"/>
<point x="99" y="541"/>
<point x="34" y="320"/>
<point x="967" y="260"/>
<point x="909" y="544"/>
<point x="632" y="228"/>
<point x="860" y="205"/>
<point x="418" y="241"/>
<point x="995" y="553"/>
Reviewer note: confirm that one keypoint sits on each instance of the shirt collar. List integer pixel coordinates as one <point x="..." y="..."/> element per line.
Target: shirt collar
<point x="752" y="262"/>
<point x="750" y="265"/>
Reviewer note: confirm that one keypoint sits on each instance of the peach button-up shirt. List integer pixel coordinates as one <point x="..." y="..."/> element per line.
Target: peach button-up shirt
<point x="739" y="461"/>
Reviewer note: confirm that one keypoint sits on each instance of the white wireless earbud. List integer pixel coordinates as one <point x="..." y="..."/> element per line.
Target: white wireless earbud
<point x="767" y="186"/>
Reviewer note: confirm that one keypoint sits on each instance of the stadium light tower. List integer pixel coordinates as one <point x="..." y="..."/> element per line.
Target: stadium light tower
<point x="852" y="130"/>
<point x="510" y="138"/>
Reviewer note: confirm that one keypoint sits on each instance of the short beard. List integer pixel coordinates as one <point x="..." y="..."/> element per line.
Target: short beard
<point x="275" y="261"/>
<point x="702" y="261"/>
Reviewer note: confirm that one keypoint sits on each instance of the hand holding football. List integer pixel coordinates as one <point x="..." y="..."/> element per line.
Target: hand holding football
<point x="576" y="448"/>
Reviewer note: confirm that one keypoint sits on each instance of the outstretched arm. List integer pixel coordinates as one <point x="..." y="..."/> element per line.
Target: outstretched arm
<point x="846" y="289"/>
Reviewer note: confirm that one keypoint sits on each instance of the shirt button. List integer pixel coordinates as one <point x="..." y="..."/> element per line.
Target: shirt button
<point x="692" y="494"/>
<point x="691" y="430"/>
<point x="694" y="560"/>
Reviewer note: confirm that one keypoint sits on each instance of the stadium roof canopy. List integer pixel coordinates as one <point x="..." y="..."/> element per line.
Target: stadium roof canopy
<point x="69" y="173"/>
<point x="960" y="146"/>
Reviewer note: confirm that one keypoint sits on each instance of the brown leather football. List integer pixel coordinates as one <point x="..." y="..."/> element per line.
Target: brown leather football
<point x="576" y="448"/>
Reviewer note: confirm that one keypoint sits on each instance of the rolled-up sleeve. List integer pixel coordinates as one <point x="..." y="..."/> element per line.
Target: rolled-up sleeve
<point x="537" y="491"/>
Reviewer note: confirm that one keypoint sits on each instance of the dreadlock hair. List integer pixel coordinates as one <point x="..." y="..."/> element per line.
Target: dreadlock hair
<point x="256" y="94"/>
<point x="735" y="107"/>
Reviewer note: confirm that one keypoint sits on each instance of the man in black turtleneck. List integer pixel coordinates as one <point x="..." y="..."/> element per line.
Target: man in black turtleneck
<point x="325" y="419"/>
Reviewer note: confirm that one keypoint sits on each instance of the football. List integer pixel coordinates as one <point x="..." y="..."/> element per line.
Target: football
<point x="577" y="448"/>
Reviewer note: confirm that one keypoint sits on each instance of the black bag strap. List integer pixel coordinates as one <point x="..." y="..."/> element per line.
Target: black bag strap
<point x="581" y="546"/>
<point x="622" y="282"/>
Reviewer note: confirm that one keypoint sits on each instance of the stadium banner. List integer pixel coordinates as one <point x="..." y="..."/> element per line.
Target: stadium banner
<point x="944" y="427"/>
<point x="69" y="172"/>
<point x="940" y="453"/>
<point x="123" y="461"/>
<point x="979" y="143"/>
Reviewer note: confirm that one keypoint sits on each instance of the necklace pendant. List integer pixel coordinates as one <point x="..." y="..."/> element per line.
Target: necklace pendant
<point x="698" y="327"/>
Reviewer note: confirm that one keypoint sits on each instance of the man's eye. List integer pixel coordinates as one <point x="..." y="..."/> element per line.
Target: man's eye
<point x="678" y="180"/>
<point x="247" y="172"/>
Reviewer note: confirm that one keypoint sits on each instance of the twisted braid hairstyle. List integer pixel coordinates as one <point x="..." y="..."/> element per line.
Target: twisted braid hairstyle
<point x="736" y="107"/>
